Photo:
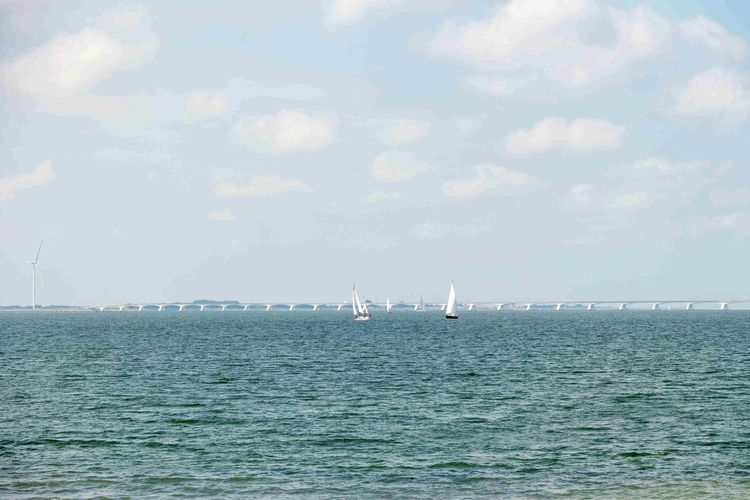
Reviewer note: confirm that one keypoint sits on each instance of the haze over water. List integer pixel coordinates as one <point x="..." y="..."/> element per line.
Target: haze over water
<point x="249" y="404"/>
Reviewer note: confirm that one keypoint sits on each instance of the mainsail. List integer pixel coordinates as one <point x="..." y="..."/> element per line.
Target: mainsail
<point x="450" y="309"/>
<point x="359" y="309"/>
<point x="420" y="306"/>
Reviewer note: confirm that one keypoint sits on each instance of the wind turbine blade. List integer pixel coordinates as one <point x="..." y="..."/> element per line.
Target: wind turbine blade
<point x="37" y="252"/>
<point x="41" y="279"/>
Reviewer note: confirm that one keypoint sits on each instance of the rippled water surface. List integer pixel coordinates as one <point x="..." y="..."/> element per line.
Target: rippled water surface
<point x="244" y="404"/>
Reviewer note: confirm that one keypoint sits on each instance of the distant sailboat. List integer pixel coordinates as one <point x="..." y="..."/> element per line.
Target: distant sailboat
<point x="360" y="312"/>
<point x="420" y="306"/>
<point x="388" y="305"/>
<point x="450" y="309"/>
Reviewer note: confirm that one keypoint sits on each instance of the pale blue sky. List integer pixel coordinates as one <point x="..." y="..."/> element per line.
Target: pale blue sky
<point x="537" y="149"/>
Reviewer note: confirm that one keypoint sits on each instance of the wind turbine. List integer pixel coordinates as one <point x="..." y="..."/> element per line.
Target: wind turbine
<point x="33" y="276"/>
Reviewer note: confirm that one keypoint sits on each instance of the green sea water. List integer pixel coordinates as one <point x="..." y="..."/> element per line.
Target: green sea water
<point x="255" y="404"/>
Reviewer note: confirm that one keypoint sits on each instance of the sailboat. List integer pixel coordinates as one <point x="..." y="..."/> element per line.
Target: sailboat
<point x="360" y="311"/>
<point x="450" y="309"/>
<point x="420" y="306"/>
<point x="388" y="305"/>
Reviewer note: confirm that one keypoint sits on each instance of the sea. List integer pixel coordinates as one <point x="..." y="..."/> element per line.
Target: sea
<point x="512" y="404"/>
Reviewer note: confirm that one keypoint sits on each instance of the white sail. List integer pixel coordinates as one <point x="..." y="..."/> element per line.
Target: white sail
<point x="358" y="309"/>
<point x="387" y="305"/>
<point x="450" y="309"/>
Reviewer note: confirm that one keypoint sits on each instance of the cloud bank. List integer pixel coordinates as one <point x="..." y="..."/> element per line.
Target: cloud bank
<point x="40" y="176"/>
<point x="487" y="176"/>
<point x="287" y="132"/>
<point x="580" y="134"/>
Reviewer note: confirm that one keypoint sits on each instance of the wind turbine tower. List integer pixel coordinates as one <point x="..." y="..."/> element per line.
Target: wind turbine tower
<point x="33" y="276"/>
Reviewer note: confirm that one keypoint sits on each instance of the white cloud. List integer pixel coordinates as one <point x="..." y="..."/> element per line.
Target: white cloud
<point x="220" y="215"/>
<point x="488" y="176"/>
<point x="40" y="176"/>
<point x="572" y="42"/>
<point x="379" y="196"/>
<point x="341" y="13"/>
<point x="714" y="36"/>
<point x="266" y="185"/>
<point x="501" y="37"/>
<point x="405" y="131"/>
<point x="72" y="63"/>
<point x="723" y="197"/>
<point x="579" y="134"/>
<point x="716" y="91"/>
<point x="394" y="166"/>
<point x="287" y="131"/>
<point x="200" y="104"/>
<point x="346" y="12"/>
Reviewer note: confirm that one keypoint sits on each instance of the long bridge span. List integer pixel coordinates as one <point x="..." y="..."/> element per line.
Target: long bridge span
<point x="654" y="305"/>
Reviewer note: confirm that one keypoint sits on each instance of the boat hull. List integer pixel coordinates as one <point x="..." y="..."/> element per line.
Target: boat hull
<point x="451" y="316"/>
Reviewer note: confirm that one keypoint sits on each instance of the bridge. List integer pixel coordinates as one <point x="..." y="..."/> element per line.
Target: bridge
<point x="589" y="305"/>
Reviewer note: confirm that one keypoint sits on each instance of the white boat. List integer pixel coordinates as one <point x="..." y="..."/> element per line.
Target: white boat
<point x="450" y="309"/>
<point x="420" y="306"/>
<point x="388" y="305"/>
<point x="360" y="311"/>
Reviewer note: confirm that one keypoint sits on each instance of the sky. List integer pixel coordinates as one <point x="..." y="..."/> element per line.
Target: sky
<point x="279" y="151"/>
